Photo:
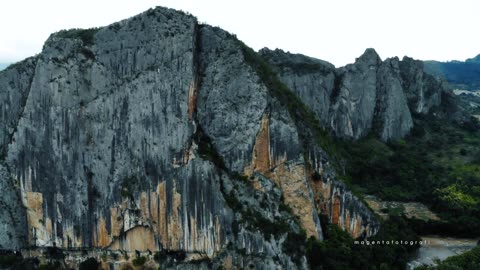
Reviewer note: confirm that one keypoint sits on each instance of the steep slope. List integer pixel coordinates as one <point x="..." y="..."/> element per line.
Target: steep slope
<point x="369" y="96"/>
<point x="157" y="133"/>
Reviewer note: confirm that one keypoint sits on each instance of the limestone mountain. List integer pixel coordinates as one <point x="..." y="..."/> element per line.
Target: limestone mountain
<point x="158" y="133"/>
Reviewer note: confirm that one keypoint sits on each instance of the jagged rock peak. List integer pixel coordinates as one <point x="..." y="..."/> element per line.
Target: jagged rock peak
<point x="370" y="56"/>
<point x="367" y="96"/>
<point x="406" y="60"/>
<point x="282" y="57"/>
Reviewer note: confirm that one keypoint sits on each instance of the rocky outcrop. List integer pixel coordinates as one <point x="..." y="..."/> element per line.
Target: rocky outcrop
<point x="393" y="118"/>
<point x="354" y="95"/>
<point x="13" y="222"/>
<point x="251" y="130"/>
<point x="158" y="133"/>
<point x="136" y="136"/>
<point x="422" y="90"/>
<point x="307" y="77"/>
<point x="15" y="84"/>
<point x="368" y="96"/>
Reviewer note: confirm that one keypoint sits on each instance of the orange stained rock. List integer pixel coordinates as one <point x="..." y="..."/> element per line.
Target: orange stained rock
<point x="138" y="238"/>
<point x="192" y="98"/>
<point x="144" y="205"/>
<point x="261" y="149"/>
<point x="116" y="220"/>
<point x="101" y="236"/>
<point x="336" y="210"/>
<point x="347" y="220"/>
<point x="291" y="179"/>
<point x="154" y="212"/>
<point x="174" y="227"/>
<point x="34" y="204"/>
<point x="162" y="218"/>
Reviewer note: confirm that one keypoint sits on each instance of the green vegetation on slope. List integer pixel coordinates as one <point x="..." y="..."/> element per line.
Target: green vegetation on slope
<point x="467" y="261"/>
<point x="463" y="75"/>
<point x="87" y="36"/>
<point x="339" y="252"/>
<point x="438" y="164"/>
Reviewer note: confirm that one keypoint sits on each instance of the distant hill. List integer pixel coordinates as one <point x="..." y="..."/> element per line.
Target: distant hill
<point x="4" y="65"/>
<point x="462" y="75"/>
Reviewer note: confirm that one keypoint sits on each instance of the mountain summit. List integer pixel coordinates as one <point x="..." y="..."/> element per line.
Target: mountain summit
<point x="160" y="134"/>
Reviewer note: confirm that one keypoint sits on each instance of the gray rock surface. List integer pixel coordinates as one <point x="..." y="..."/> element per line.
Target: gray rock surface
<point x="101" y="134"/>
<point x="307" y="77"/>
<point x="354" y="95"/>
<point x="368" y="96"/>
<point x="422" y="90"/>
<point x="231" y="102"/>
<point x="393" y="117"/>
<point x="13" y="222"/>
<point x="158" y="133"/>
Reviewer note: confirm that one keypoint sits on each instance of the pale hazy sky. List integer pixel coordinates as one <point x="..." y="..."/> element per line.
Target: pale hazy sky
<point x="337" y="31"/>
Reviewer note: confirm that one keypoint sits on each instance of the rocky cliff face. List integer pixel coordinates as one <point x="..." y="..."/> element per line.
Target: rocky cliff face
<point x="158" y="133"/>
<point x="136" y="136"/>
<point x="369" y="96"/>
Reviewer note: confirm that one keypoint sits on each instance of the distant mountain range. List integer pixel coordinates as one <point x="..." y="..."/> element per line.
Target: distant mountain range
<point x="4" y="65"/>
<point x="461" y="75"/>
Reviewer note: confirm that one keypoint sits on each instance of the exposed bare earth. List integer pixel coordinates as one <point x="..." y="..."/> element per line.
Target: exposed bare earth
<point x="410" y="209"/>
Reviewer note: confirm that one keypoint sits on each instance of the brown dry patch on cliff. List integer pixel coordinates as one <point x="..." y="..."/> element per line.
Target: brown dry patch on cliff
<point x="192" y="99"/>
<point x="144" y="205"/>
<point x="101" y="236"/>
<point x="347" y="220"/>
<point x="174" y="226"/>
<point x="116" y="221"/>
<point x="261" y="149"/>
<point x="138" y="238"/>
<point x="34" y="204"/>
<point x="336" y="207"/>
<point x="409" y="209"/>
<point x="358" y="228"/>
<point x="291" y="180"/>
<point x="33" y="201"/>
<point x="162" y="218"/>
<point x="321" y="192"/>
<point x="331" y="205"/>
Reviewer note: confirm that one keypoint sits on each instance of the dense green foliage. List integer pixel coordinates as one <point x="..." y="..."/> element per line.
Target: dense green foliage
<point x="87" y="36"/>
<point x="467" y="261"/>
<point x="139" y="261"/>
<point x="438" y="164"/>
<point x="89" y="264"/>
<point x="339" y="250"/>
<point x="471" y="103"/>
<point x="7" y="260"/>
<point x="463" y="75"/>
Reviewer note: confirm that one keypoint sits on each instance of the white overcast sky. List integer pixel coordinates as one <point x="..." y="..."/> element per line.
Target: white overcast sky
<point x="337" y="31"/>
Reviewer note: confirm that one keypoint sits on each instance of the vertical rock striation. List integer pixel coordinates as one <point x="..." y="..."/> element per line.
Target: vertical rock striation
<point x="157" y="133"/>
<point x="370" y="96"/>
